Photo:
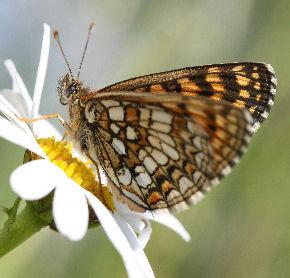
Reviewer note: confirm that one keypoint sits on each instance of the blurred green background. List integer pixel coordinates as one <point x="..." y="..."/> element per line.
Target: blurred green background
<point x="242" y="228"/>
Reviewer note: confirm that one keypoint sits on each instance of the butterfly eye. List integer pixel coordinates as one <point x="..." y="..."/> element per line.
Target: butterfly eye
<point x="62" y="89"/>
<point x="70" y="90"/>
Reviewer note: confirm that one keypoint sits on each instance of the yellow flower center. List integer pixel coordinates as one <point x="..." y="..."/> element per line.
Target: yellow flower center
<point x="60" y="154"/>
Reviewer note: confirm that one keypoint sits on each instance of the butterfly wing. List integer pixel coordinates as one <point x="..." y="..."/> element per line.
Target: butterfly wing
<point x="249" y="85"/>
<point x="163" y="151"/>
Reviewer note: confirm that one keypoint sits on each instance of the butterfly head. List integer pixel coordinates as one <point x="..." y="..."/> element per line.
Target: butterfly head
<point x="68" y="89"/>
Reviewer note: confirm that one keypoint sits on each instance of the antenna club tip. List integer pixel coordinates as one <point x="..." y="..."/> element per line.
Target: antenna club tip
<point x="55" y="33"/>
<point x="92" y="25"/>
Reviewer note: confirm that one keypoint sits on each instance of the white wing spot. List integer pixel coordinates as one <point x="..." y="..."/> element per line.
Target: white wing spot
<point x="114" y="128"/>
<point x="197" y="142"/>
<point x="159" y="157"/>
<point x="144" y="114"/>
<point x="131" y="133"/>
<point x="199" y="159"/>
<point x="134" y="198"/>
<point x="144" y="124"/>
<point x="143" y="179"/>
<point x="185" y="184"/>
<point x="265" y="114"/>
<point x="196" y="197"/>
<point x="172" y="153"/>
<point x="109" y="103"/>
<point x="150" y="164"/>
<point x="118" y="146"/>
<point x="154" y="141"/>
<point x="174" y="194"/>
<point x="116" y="113"/>
<point x="161" y="127"/>
<point x="226" y="170"/>
<point x="141" y="155"/>
<point x="196" y="176"/>
<point x="167" y="138"/>
<point x="271" y="102"/>
<point x="124" y="176"/>
<point x="161" y="116"/>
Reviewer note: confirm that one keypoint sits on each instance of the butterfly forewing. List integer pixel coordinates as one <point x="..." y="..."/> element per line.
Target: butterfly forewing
<point x="163" y="151"/>
<point x="246" y="85"/>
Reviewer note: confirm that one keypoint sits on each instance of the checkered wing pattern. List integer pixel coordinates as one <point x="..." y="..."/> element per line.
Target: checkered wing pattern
<point x="163" y="151"/>
<point x="245" y="85"/>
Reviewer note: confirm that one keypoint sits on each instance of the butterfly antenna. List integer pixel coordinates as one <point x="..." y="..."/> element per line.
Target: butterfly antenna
<point x="56" y="37"/>
<point x="86" y="46"/>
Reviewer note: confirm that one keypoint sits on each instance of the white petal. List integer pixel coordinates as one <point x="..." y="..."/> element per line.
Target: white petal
<point x="128" y="232"/>
<point x="41" y="71"/>
<point x="17" y="136"/>
<point x="35" y="179"/>
<point x="144" y="264"/>
<point x="19" y="86"/>
<point x="163" y="218"/>
<point x="135" y="221"/>
<point x="9" y="111"/>
<point x="135" y="244"/>
<point x="139" y="225"/>
<point x="70" y="210"/>
<point x="41" y="128"/>
<point x="144" y="235"/>
<point x="44" y="129"/>
<point x="13" y="72"/>
<point x="171" y="222"/>
<point x="16" y="100"/>
<point x="131" y="259"/>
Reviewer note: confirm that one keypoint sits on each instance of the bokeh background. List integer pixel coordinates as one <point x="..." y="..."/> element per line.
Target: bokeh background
<point x="242" y="228"/>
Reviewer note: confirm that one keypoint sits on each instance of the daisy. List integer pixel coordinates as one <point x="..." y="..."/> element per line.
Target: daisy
<point x="51" y="169"/>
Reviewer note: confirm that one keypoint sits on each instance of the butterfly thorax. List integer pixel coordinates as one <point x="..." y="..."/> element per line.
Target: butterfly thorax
<point x="70" y="91"/>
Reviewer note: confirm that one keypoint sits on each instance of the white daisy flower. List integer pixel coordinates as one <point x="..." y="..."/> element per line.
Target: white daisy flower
<point x="73" y="183"/>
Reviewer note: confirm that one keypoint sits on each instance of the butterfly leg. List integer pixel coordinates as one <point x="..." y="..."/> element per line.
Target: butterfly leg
<point x="62" y="121"/>
<point x="65" y="134"/>
<point x="100" y="184"/>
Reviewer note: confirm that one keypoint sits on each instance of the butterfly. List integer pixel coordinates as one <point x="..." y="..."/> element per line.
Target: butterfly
<point x="164" y="139"/>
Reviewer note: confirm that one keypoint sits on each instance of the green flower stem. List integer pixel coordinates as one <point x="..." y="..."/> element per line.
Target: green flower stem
<point x="24" y="225"/>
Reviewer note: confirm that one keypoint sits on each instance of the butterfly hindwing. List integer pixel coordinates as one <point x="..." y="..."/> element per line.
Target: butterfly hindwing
<point x="163" y="151"/>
